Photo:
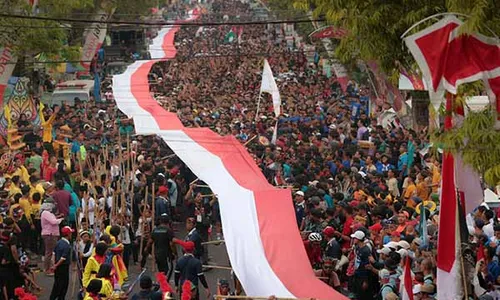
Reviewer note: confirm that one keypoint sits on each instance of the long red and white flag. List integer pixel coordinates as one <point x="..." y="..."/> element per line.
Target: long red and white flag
<point x="257" y="218"/>
<point x="448" y="266"/>
<point x="407" y="282"/>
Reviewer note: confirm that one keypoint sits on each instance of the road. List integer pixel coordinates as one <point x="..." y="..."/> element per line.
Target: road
<point x="217" y="253"/>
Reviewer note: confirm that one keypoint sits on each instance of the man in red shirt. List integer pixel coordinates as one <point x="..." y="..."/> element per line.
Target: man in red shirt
<point x="62" y="198"/>
<point x="347" y="230"/>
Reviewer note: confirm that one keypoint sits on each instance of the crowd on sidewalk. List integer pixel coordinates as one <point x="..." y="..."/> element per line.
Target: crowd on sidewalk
<point x="82" y="188"/>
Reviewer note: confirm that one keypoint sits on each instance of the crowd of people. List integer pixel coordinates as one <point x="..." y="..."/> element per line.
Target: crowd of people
<point x="83" y="189"/>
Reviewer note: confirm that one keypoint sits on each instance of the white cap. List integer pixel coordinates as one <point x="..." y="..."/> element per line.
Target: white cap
<point x="417" y="289"/>
<point x="332" y="126"/>
<point x="392" y="245"/>
<point x="300" y="193"/>
<point x="403" y="253"/>
<point x="404" y="244"/>
<point x="417" y="241"/>
<point x="384" y="251"/>
<point x="359" y="235"/>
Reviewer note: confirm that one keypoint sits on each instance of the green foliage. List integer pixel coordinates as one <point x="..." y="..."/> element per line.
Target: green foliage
<point x="477" y="140"/>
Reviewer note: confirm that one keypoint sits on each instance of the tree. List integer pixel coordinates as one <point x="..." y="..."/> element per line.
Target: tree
<point x="29" y="37"/>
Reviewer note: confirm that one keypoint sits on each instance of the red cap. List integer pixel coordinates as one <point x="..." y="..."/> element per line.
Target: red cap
<point x="187" y="246"/>
<point x="66" y="230"/>
<point x="328" y="231"/>
<point x="396" y="233"/>
<point x="174" y="172"/>
<point x="162" y="190"/>
<point x="375" y="227"/>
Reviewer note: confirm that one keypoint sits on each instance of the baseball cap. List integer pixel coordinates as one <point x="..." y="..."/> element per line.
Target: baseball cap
<point x="384" y="251"/>
<point x="187" y="246"/>
<point x="359" y="235"/>
<point x="392" y="245"/>
<point x="300" y="193"/>
<point x="417" y="289"/>
<point x="395" y="233"/>
<point x="417" y="241"/>
<point x="404" y="244"/>
<point x="66" y="230"/>
<point x="162" y="189"/>
<point x="223" y="282"/>
<point x="403" y="253"/>
<point x="328" y="231"/>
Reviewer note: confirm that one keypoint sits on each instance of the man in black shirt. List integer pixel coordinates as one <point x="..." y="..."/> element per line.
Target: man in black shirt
<point x="61" y="268"/>
<point x="162" y="239"/>
<point x="189" y="268"/>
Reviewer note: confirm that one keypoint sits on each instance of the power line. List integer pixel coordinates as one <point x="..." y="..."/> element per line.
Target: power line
<point x="159" y="23"/>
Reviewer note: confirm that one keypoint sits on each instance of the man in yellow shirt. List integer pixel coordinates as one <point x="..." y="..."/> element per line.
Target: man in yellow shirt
<point x="20" y="170"/>
<point x="47" y="124"/>
<point x="409" y="192"/>
<point x="422" y="188"/>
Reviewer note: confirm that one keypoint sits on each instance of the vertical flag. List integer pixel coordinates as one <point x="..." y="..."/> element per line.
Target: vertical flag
<point x="268" y="85"/>
<point x="423" y="225"/>
<point x="406" y="291"/>
<point x="95" y="38"/>
<point x="97" y="87"/>
<point x="229" y="37"/>
<point x="448" y="267"/>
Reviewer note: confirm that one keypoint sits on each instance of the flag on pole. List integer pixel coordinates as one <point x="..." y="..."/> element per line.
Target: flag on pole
<point x="268" y="85"/>
<point x="229" y="37"/>
<point x="423" y="225"/>
<point x="406" y="291"/>
<point x="448" y="266"/>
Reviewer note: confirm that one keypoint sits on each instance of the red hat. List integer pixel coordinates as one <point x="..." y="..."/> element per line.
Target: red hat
<point x="396" y="233"/>
<point x="328" y="231"/>
<point x="375" y="227"/>
<point x="162" y="190"/>
<point x="187" y="246"/>
<point x="66" y="230"/>
<point x="174" y="171"/>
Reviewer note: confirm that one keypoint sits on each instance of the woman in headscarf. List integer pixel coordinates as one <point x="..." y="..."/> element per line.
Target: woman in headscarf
<point x="50" y="231"/>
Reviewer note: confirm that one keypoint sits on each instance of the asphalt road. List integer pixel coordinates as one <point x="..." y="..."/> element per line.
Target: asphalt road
<point x="217" y="254"/>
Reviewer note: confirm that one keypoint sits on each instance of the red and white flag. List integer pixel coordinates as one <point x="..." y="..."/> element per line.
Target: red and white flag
<point x="95" y="38"/>
<point x="448" y="266"/>
<point x="468" y="181"/>
<point x="448" y="58"/>
<point x="406" y="291"/>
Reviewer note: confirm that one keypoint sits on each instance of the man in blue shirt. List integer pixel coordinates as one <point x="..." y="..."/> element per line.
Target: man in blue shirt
<point x="61" y="268"/>
<point x="189" y="268"/>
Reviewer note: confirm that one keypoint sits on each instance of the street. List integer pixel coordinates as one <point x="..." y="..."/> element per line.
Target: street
<point x="217" y="253"/>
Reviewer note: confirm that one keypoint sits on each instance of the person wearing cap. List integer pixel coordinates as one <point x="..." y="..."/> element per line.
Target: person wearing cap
<point x="189" y="268"/>
<point x="61" y="267"/>
<point x="146" y="292"/>
<point x="50" y="232"/>
<point x="162" y="237"/>
<point x="223" y="289"/>
<point x="162" y="204"/>
<point x="300" y="206"/>
<point x="85" y="247"/>
<point x="362" y="286"/>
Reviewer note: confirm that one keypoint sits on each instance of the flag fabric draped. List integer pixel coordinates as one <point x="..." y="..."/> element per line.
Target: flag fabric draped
<point x="329" y="32"/>
<point x="95" y="38"/>
<point x="407" y="282"/>
<point x="448" y="58"/>
<point x="269" y="85"/>
<point x="257" y="218"/>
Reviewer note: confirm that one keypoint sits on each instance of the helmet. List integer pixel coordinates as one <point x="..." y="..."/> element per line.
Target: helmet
<point x="315" y="237"/>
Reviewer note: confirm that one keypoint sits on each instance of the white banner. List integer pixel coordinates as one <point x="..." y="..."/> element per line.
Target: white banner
<point x="95" y="38"/>
<point x="7" y="64"/>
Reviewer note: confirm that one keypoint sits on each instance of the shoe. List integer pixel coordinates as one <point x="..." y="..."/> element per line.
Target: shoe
<point x="49" y="274"/>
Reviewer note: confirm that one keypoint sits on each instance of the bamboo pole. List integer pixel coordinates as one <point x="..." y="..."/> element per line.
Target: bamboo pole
<point x="194" y="181"/>
<point x="213" y="242"/>
<point x="218" y="267"/>
<point x="153" y="192"/>
<point x="250" y="140"/>
<point x="144" y="205"/>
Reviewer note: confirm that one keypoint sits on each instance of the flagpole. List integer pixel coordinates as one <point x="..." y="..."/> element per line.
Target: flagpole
<point x="258" y="106"/>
